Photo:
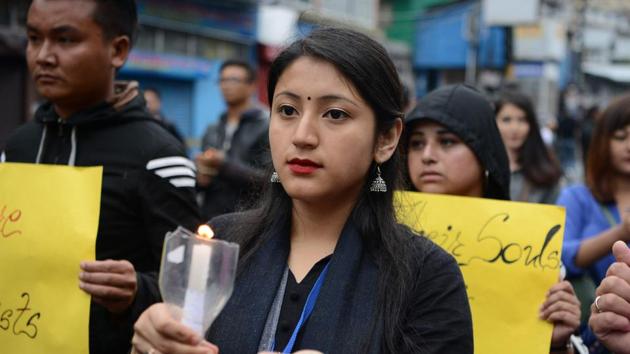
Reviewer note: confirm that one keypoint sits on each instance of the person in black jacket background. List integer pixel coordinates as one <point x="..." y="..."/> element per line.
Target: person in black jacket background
<point x="74" y="50"/>
<point x="233" y="149"/>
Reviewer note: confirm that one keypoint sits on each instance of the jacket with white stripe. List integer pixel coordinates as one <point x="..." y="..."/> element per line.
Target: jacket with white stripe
<point x="148" y="190"/>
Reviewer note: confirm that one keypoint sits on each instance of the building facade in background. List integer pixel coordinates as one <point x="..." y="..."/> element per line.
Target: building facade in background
<point x="180" y="46"/>
<point x="543" y="46"/>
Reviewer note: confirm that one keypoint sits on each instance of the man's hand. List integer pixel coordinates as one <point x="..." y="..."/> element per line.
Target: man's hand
<point x="213" y="158"/>
<point x="111" y="283"/>
<point x="611" y="311"/>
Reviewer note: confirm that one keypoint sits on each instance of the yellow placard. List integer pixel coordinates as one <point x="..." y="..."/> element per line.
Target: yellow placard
<point x="48" y="223"/>
<point x="509" y="254"/>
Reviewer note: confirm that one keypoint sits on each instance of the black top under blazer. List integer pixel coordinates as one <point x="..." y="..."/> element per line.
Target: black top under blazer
<point x="345" y="319"/>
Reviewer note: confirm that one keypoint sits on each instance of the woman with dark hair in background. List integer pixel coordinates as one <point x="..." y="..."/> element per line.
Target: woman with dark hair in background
<point x="586" y="130"/>
<point x="598" y="212"/>
<point x="535" y="172"/>
<point x="452" y="146"/>
<point x="328" y="214"/>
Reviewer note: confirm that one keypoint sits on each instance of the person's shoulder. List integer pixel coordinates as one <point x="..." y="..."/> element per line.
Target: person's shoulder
<point x="577" y="189"/>
<point x="224" y="220"/>
<point x="153" y="138"/>
<point x="257" y="115"/>
<point x="26" y="130"/>
<point x="226" y="225"/>
<point x="150" y="146"/>
<point x="578" y="192"/>
<point x="432" y="267"/>
<point x="25" y="138"/>
<point x="427" y="253"/>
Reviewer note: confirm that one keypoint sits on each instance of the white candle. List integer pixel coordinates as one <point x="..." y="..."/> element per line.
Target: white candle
<point x="196" y="291"/>
<point x="199" y="266"/>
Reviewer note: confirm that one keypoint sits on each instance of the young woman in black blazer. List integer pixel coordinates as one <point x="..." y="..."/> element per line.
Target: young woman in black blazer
<point x="336" y="118"/>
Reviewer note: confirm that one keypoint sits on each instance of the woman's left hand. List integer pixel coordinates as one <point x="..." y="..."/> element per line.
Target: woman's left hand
<point x="562" y="309"/>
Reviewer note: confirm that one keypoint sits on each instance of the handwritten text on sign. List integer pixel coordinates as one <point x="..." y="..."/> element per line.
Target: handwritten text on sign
<point x="8" y="221"/>
<point x="509" y="254"/>
<point x="21" y="320"/>
<point x="48" y="223"/>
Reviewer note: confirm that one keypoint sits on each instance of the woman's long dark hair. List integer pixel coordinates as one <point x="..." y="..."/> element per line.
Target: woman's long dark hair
<point x="539" y="164"/>
<point x="367" y="66"/>
<point x="600" y="171"/>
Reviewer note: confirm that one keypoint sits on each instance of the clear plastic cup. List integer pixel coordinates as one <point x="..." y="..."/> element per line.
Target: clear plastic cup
<point x="197" y="277"/>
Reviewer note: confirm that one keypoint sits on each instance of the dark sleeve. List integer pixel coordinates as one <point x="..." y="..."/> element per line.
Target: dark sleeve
<point x="206" y="139"/>
<point x="439" y="319"/>
<point x="166" y="191"/>
<point x="23" y="143"/>
<point x="253" y="170"/>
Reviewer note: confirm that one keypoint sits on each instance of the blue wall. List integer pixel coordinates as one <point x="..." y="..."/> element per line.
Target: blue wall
<point x="441" y="43"/>
<point x="208" y="103"/>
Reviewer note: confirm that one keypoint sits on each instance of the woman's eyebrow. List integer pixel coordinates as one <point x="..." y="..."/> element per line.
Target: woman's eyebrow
<point x="337" y="98"/>
<point x="288" y="93"/>
<point x="321" y="98"/>
<point x="445" y="132"/>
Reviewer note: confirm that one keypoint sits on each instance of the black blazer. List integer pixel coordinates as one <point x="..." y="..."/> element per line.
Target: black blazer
<point x="345" y="318"/>
<point x="243" y="169"/>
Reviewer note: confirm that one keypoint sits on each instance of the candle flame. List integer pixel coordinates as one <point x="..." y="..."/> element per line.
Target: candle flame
<point x="205" y="231"/>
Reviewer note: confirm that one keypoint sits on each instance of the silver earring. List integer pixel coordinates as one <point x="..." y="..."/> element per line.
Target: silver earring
<point x="274" y="177"/>
<point x="487" y="173"/>
<point x="378" y="184"/>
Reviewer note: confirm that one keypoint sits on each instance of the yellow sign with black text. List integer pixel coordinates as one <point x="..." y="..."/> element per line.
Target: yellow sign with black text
<point x="509" y="254"/>
<point x="48" y="224"/>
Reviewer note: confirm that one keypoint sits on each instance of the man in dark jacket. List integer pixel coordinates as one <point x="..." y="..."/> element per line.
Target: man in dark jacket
<point x="235" y="149"/>
<point x="74" y="50"/>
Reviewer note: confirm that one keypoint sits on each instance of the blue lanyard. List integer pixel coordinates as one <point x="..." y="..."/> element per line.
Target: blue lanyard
<point x="307" y="310"/>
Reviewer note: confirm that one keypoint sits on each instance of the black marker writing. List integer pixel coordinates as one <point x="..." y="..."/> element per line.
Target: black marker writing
<point x="22" y="321"/>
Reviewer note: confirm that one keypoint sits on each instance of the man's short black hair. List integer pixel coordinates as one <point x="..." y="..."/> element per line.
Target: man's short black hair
<point x="117" y="18"/>
<point x="251" y="73"/>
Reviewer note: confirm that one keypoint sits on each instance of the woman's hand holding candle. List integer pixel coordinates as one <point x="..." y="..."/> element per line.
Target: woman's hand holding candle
<point x="111" y="283"/>
<point x="157" y="329"/>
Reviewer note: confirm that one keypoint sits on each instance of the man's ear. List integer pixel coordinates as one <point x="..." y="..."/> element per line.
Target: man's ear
<point x="120" y="48"/>
<point x="387" y="142"/>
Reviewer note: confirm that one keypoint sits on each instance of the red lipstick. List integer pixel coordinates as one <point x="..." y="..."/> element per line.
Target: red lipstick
<point x="303" y="166"/>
